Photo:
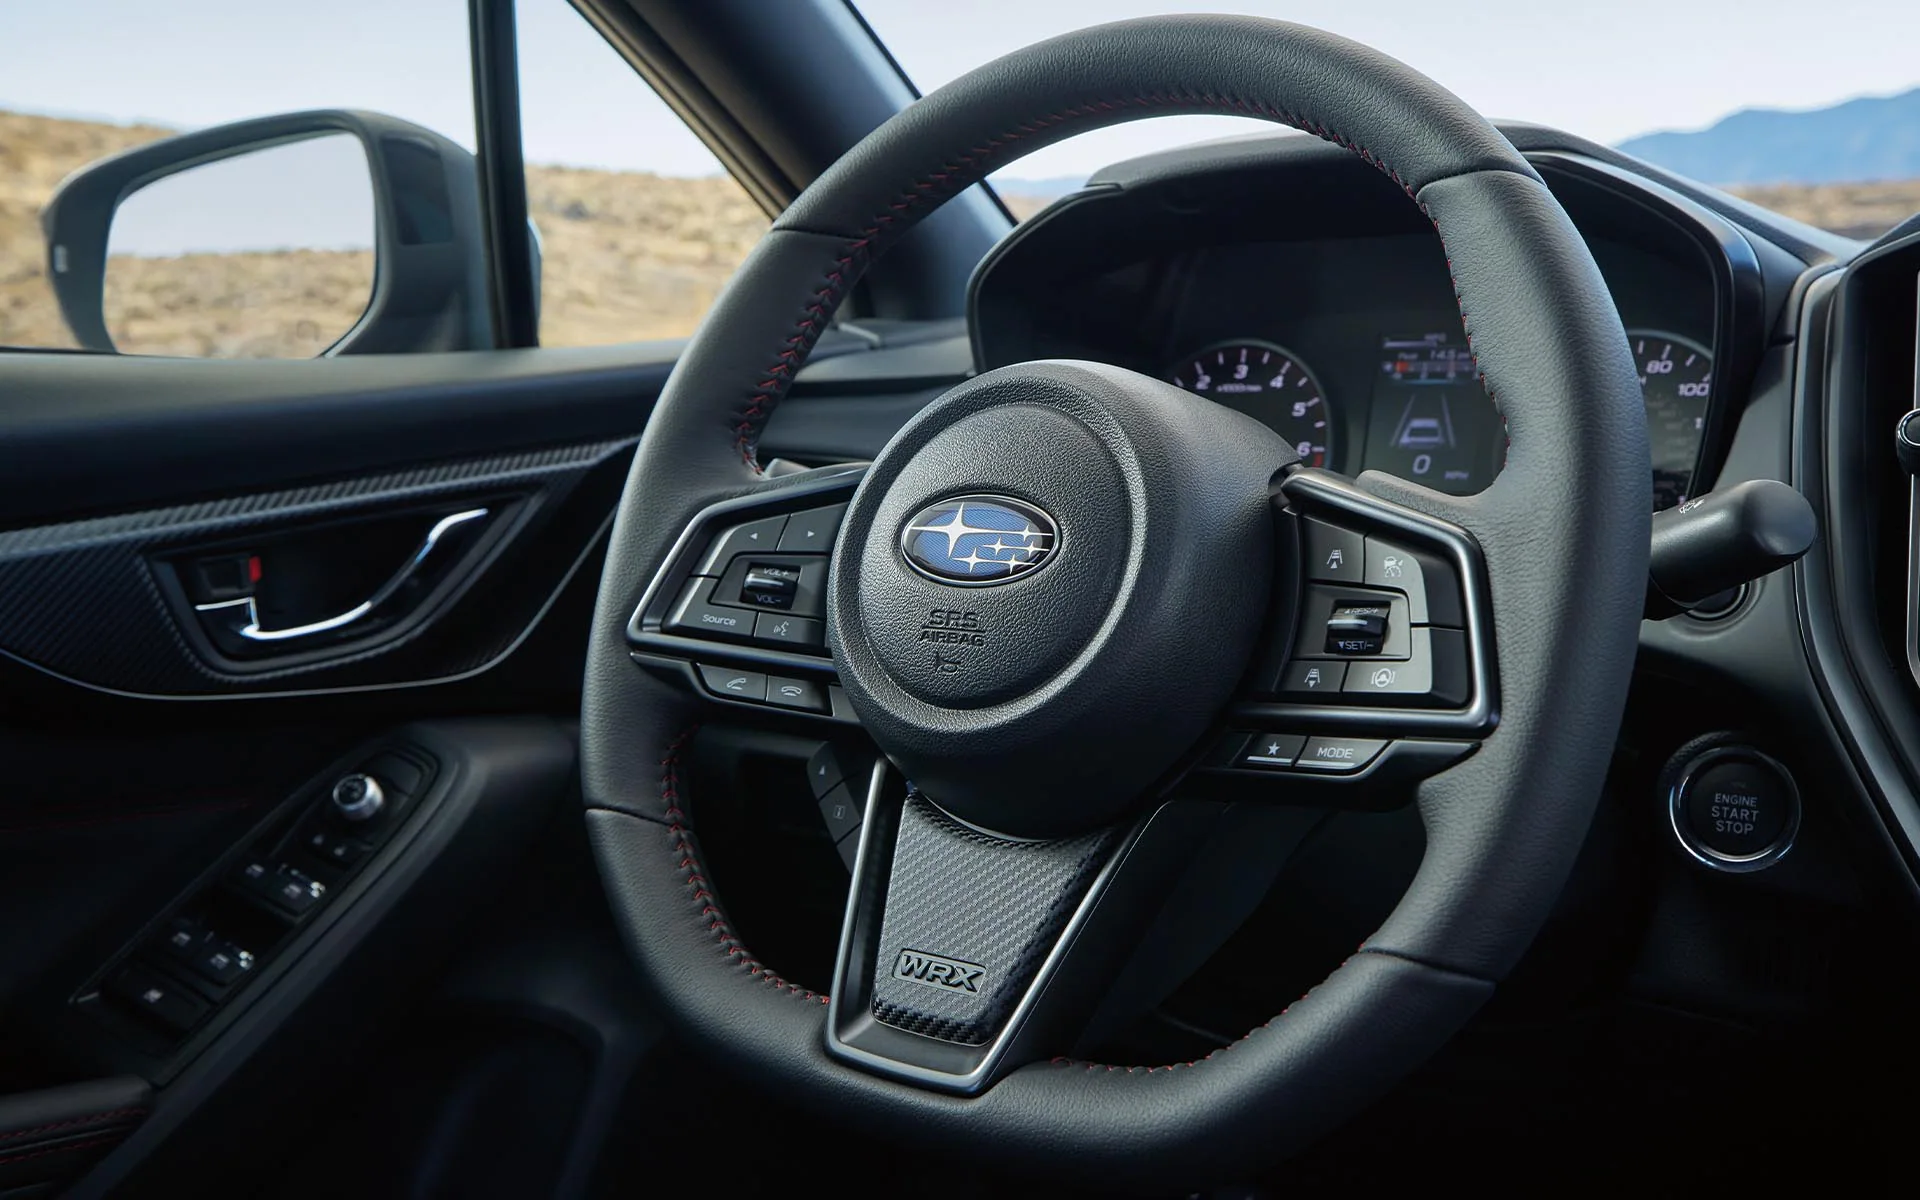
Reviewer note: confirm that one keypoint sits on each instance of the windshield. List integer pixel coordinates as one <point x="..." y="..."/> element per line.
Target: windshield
<point x="1811" y="110"/>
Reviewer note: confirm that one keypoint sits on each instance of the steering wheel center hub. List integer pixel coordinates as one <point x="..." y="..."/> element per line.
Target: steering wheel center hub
<point x="1048" y="584"/>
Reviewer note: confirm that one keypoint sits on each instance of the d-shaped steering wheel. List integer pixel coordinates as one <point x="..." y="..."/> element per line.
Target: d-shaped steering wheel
<point x="1076" y="609"/>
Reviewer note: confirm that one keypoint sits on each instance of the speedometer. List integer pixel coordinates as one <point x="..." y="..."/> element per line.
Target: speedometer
<point x="1676" y="380"/>
<point x="1269" y="384"/>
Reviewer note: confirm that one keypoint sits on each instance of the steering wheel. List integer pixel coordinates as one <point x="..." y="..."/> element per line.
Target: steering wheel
<point x="1046" y="599"/>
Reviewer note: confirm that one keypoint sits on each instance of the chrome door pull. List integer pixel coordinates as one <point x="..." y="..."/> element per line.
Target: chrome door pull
<point x="253" y="633"/>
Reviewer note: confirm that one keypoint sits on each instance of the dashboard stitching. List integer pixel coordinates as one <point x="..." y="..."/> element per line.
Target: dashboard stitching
<point x="967" y="169"/>
<point x="701" y="893"/>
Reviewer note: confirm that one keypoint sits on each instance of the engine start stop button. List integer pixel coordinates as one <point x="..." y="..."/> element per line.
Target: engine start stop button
<point x="1735" y="808"/>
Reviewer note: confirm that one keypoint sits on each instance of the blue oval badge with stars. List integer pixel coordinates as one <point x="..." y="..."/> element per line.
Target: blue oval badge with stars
<point x="975" y="541"/>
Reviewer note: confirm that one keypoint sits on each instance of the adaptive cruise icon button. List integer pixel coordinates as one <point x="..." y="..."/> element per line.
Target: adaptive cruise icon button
<point x="1357" y="629"/>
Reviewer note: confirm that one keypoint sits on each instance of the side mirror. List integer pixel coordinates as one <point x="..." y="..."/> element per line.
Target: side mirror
<point x="332" y="231"/>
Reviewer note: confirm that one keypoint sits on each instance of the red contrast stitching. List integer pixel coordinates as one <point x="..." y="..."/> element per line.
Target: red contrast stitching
<point x="701" y="894"/>
<point x="16" y="1134"/>
<point x="1063" y="1061"/>
<point x="969" y="168"/>
<point x="70" y="1146"/>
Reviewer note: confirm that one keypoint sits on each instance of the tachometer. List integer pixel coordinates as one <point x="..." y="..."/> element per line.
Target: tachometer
<point x="1269" y="384"/>
<point x="1676" y="379"/>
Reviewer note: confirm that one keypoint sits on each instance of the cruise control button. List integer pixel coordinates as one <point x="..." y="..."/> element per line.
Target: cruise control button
<point x="1311" y="678"/>
<point x="698" y="616"/>
<point x="735" y="685"/>
<point x="796" y="693"/>
<point x="813" y="530"/>
<point x="1333" y="554"/>
<point x="1401" y="680"/>
<point x="762" y="535"/>
<point x="1317" y="604"/>
<point x="1394" y="566"/>
<point x="789" y="631"/>
<point x="1271" y="751"/>
<point x="1338" y="755"/>
<point x="1357" y="630"/>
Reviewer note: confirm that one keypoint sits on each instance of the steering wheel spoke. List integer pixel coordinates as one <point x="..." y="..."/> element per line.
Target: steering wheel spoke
<point x="736" y="613"/>
<point x="966" y="954"/>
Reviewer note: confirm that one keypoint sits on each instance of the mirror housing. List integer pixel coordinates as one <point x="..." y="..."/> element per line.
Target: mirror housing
<point x="430" y="288"/>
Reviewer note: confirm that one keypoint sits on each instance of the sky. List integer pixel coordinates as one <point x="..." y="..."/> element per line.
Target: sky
<point x="1606" y="71"/>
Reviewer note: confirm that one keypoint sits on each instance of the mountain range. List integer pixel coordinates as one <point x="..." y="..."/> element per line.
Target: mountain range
<point x="1870" y="139"/>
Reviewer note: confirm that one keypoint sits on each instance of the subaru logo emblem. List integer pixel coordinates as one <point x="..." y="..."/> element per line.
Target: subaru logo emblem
<point x="974" y="541"/>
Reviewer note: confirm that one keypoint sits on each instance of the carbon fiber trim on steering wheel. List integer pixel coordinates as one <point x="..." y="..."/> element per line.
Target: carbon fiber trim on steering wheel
<point x="956" y="971"/>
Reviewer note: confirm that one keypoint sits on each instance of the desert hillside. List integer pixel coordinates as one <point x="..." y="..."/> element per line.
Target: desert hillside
<point x="627" y="255"/>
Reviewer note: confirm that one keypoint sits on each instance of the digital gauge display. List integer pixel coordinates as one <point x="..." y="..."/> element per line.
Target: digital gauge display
<point x="1432" y="421"/>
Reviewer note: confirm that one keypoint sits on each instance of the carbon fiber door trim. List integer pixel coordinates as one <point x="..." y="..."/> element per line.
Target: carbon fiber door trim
<point x="80" y="600"/>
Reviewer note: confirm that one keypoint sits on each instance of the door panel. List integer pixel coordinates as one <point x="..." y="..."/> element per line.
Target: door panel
<point x="112" y="602"/>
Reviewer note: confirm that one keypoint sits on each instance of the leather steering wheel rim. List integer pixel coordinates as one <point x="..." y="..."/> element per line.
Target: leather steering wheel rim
<point x="1563" y="530"/>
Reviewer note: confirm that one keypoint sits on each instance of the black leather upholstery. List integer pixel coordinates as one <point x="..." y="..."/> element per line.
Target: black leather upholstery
<point x="1564" y="529"/>
<point x="51" y="1136"/>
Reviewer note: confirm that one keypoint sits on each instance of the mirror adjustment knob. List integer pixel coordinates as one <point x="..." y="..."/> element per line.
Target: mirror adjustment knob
<point x="358" y="797"/>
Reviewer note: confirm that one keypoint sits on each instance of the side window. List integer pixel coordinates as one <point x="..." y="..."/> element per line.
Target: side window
<point x="231" y="179"/>
<point x="639" y="224"/>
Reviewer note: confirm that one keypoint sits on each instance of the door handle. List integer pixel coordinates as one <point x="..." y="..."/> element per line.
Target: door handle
<point x="420" y="557"/>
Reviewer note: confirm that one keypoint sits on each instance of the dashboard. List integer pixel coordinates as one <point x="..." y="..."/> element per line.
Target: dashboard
<point x="1349" y="342"/>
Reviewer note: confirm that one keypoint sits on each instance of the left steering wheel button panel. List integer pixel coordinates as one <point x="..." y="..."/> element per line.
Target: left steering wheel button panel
<point x="734" y="685"/>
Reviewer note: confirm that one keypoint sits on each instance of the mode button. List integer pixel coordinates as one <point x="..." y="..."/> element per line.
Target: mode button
<point x="1338" y="755"/>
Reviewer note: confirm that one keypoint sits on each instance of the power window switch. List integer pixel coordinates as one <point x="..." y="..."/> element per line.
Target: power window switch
<point x="157" y="998"/>
<point x="220" y="961"/>
<point x="336" y="849"/>
<point x="281" y="886"/>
